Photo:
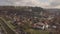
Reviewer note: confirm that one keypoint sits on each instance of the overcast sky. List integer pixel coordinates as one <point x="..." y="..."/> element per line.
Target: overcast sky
<point x="39" y="3"/>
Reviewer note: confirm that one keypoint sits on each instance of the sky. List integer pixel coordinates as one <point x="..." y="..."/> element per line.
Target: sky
<point x="39" y="3"/>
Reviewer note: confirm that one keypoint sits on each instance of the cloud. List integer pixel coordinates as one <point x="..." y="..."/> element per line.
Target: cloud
<point x="24" y="2"/>
<point x="31" y="3"/>
<point x="39" y="3"/>
<point x="55" y="3"/>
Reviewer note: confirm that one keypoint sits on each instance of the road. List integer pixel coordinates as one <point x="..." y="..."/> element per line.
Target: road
<point x="6" y="28"/>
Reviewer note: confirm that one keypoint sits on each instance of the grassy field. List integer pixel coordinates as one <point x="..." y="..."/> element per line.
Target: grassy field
<point x="32" y="31"/>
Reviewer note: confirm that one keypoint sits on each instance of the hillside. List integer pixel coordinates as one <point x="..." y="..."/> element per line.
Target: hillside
<point x="29" y="11"/>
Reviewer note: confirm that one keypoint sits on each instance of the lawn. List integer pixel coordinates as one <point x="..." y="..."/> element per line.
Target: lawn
<point x="32" y="31"/>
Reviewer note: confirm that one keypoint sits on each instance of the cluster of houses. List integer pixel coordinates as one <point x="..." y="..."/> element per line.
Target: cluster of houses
<point x="45" y="25"/>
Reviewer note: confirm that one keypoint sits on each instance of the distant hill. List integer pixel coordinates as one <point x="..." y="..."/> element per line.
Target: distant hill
<point x="19" y="10"/>
<point x="54" y="11"/>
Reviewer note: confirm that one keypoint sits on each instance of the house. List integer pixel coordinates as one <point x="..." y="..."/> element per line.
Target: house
<point x="40" y="26"/>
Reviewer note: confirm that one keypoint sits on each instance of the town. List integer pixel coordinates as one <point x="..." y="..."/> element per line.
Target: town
<point x="29" y="20"/>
